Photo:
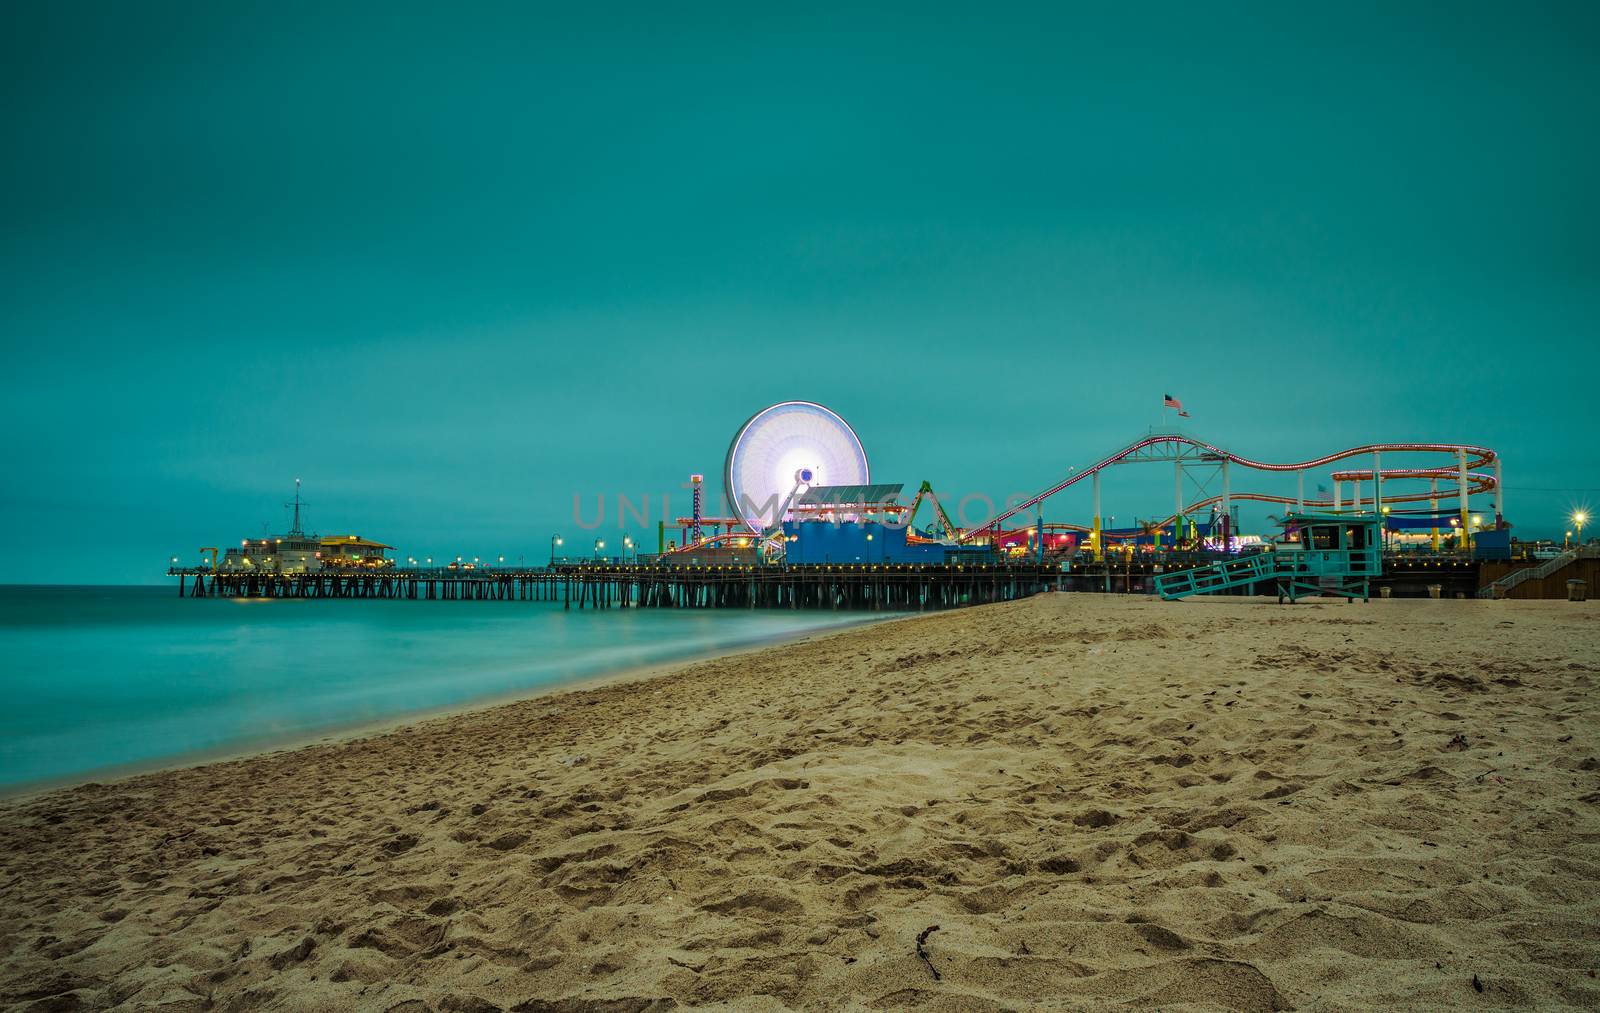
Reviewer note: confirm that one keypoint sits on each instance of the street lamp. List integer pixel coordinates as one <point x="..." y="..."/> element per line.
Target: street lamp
<point x="1579" y="519"/>
<point x="555" y="540"/>
<point x="598" y="545"/>
<point x="627" y="543"/>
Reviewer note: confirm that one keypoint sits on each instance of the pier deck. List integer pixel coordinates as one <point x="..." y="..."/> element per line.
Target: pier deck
<point x="654" y="585"/>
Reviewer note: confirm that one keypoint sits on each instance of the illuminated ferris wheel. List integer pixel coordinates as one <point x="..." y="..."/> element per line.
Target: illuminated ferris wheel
<point x="783" y="450"/>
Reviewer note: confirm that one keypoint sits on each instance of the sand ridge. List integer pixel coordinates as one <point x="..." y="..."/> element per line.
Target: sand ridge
<point x="1065" y="802"/>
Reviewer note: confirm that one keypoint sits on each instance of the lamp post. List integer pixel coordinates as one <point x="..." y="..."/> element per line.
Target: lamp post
<point x="598" y="545"/>
<point x="627" y="544"/>
<point x="555" y="540"/>
<point x="1579" y="519"/>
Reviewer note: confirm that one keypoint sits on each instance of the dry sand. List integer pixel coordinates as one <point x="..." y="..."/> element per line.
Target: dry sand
<point x="1065" y="802"/>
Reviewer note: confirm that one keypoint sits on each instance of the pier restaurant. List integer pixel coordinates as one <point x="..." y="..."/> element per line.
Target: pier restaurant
<point x="299" y="553"/>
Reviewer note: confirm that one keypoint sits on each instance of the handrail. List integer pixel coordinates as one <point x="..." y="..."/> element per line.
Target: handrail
<point x="1226" y="574"/>
<point x="1548" y="568"/>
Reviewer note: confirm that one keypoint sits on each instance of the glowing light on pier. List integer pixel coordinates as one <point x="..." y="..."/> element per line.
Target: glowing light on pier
<point x="788" y="446"/>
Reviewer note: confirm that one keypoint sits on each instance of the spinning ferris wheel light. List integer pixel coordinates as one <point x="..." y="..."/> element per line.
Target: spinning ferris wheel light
<point x="787" y="448"/>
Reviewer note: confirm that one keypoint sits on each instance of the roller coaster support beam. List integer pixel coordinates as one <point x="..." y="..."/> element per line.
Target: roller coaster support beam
<point x="1094" y="537"/>
<point x="1300" y="490"/>
<point x="1377" y="487"/>
<point x="1466" y="514"/>
<point x="1433" y="505"/>
<point x="1227" y="508"/>
<point x="1338" y="491"/>
<point x="1177" y="505"/>
<point x="1039" y="533"/>
<point x="1499" y="495"/>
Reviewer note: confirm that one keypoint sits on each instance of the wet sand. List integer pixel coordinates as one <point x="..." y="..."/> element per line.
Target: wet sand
<point x="1065" y="802"/>
<point x="365" y="728"/>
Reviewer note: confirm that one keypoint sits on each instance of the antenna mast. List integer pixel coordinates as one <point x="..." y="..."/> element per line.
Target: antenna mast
<point x="294" y="531"/>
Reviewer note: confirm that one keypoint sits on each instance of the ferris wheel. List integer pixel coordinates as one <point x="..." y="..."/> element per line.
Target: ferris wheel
<point x="783" y="450"/>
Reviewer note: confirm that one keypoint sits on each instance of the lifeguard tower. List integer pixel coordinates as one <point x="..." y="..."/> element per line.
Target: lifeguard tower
<point x="1319" y="554"/>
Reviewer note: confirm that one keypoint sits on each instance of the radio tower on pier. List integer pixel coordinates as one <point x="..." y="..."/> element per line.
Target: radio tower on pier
<point x="294" y="529"/>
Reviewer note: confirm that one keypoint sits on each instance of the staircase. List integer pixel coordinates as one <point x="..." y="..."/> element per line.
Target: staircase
<point x="1227" y="574"/>
<point x="1502" y="587"/>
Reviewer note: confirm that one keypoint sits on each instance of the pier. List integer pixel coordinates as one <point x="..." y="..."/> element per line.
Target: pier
<point x="904" y="587"/>
<point x="650" y="585"/>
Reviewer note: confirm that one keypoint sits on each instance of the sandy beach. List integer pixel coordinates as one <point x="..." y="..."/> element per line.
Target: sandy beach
<point x="1066" y="802"/>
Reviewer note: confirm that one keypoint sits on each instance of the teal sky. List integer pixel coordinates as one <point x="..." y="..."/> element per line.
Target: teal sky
<point x="453" y="266"/>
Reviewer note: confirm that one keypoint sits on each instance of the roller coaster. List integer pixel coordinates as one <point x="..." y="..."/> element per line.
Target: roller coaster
<point x="1183" y="451"/>
<point x="1471" y="470"/>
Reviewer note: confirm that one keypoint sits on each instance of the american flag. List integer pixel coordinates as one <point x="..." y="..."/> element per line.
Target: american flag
<point x="1168" y="401"/>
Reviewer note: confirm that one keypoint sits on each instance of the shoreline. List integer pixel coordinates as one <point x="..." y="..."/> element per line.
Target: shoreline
<point x="341" y="733"/>
<point x="1084" y="801"/>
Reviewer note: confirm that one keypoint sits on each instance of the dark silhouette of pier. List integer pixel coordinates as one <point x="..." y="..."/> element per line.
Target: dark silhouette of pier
<point x="909" y="587"/>
<point x="623" y="585"/>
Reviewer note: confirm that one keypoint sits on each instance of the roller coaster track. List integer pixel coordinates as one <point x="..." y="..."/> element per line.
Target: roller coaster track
<point x="1476" y="457"/>
<point x="735" y="539"/>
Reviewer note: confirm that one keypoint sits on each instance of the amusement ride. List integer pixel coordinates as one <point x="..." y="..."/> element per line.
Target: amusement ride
<point x="798" y="461"/>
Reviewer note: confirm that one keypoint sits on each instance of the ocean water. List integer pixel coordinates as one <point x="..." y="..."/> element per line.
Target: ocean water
<point x="98" y="678"/>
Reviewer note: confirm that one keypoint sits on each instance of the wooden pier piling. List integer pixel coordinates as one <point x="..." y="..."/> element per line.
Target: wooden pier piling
<point x="608" y="586"/>
<point x="658" y="585"/>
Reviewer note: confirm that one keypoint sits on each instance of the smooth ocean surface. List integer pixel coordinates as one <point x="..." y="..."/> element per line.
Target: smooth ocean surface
<point x="101" y="677"/>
